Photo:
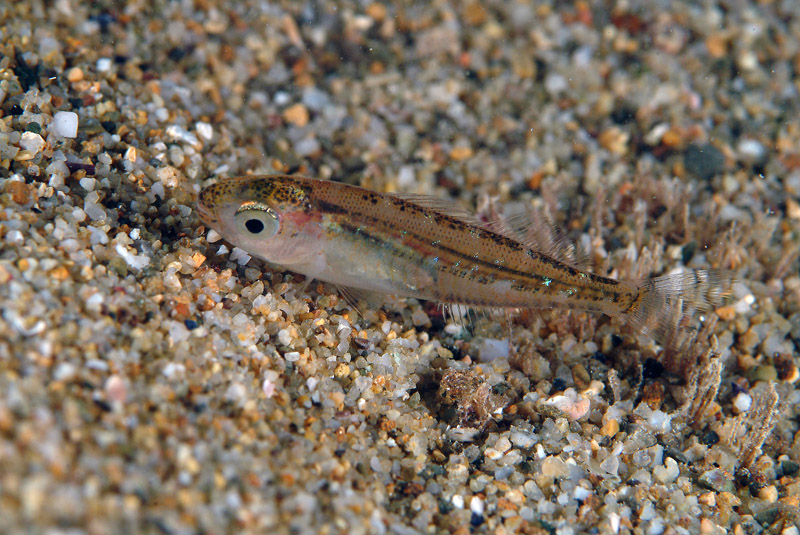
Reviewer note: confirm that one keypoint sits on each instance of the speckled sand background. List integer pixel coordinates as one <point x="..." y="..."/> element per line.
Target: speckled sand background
<point x="155" y="380"/>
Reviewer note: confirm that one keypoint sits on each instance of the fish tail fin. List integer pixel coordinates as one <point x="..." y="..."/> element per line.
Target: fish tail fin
<point x="663" y="301"/>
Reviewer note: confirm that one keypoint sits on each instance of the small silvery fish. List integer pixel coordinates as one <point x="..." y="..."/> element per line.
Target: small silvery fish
<point x="415" y="246"/>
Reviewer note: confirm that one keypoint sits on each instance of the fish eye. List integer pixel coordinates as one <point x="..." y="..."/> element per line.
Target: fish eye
<point x="256" y="221"/>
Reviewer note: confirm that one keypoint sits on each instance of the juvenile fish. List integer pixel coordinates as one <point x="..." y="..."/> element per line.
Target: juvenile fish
<point x="415" y="246"/>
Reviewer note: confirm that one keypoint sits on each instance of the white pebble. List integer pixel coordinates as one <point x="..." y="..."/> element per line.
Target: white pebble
<point x="98" y="236"/>
<point x="158" y="189"/>
<point x="204" y="130"/>
<point x="15" y="237"/>
<point x="134" y="261"/>
<point x="751" y="150"/>
<point x="284" y="337"/>
<point x="88" y="183"/>
<point x="667" y="473"/>
<point x="57" y="167"/>
<point x="178" y="133"/>
<point x="104" y="64"/>
<point x="660" y="421"/>
<point x="581" y="493"/>
<point x="178" y="332"/>
<point x="476" y="505"/>
<point x="173" y="370"/>
<point x="64" y="371"/>
<point x="95" y="211"/>
<point x="292" y="356"/>
<point x="65" y="124"/>
<point x="94" y="302"/>
<point x="490" y="349"/>
<point x="406" y="177"/>
<point x="458" y="501"/>
<point x="312" y="383"/>
<point x="742" y="402"/>
<point x="78" y="215"/>
<point x="268" y="387"/>
<point x="306" y="146"/>
<point x="240" y="256"/>
<point x="213" y="236"/>
<point x="236" y="392"/>
<point x="97" y="364"/>
<point x="555" y="83"/>
<point x="610" y="465"/>
<point x="32" y="142"/>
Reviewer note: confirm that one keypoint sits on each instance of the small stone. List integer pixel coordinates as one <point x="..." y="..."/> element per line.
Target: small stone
<point x="667" y="473"/>
<point x="75" y="74"/>
<point x="742" y="402"/>
<point x="765" y="373"/>
<point x="104" y="64"/>
<point x="614" y="140"/>
<point x="792" y="209"/>
<point x="32" y="142"/>
<point x="704" y="161"/>
<point x="20" y="191"/>
<point x="342" y="370"/>
<point x="204" y="130"/>
<point x="716" y="480"/>
<point x="65" y="124"/>
<point x="461" y="153"/>
<point x="296" y="114"/>
<point x="554" y="467"/>
<point x="610" y="464"/>
<point x="580" y="376"/>
<point x="751" y="151"/>
<point x="708" y="499"/>
<point x="726" y="313"/>
<point x="769" y="494"/>
<point x="610" y="428"/>
<point x="376" y="11"/>
<point x="717" y="45"/>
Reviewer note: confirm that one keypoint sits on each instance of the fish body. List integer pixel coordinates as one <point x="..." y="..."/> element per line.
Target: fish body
<point x="419" y="247"/>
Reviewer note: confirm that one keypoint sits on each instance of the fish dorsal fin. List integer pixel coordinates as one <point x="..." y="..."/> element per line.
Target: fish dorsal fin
<point x="536" y="231"/>
<point x="533" y="229"/>
<point x="443" y="206"/>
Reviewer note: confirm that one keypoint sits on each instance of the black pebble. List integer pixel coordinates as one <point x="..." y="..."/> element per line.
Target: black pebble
<point x="704" y="161"/>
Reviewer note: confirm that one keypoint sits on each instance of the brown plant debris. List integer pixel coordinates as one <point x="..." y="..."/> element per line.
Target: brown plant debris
<point x="747" y="432"/>
<point x="472" y="397"/>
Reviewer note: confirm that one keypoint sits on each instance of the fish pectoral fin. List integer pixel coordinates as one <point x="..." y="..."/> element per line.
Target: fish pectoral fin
<point x="356" y="296"/>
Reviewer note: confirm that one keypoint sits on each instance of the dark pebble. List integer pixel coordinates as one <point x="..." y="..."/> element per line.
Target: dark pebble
<point x="431" y="470"/>
<point x="652" y="369"/>
<point x="558" y="385"/>
<point x="476" y="519"/>
<point x="709" y="438"/>
<point x="28" y="75"/>
<point x="76" y="166"/>
<point x="36" y="128"/>
<point x="687" y="253"/>
<point x="767" y="516"/>
<point x="190" y="324"/>
<point x="790" y="468"/>
<point x="704" y="161"/>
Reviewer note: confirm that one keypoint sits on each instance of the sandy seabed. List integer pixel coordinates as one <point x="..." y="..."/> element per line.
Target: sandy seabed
<point x="155" y="379"/>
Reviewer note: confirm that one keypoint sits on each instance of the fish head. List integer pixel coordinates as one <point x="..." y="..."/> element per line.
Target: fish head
<point x="267" y="216"/>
